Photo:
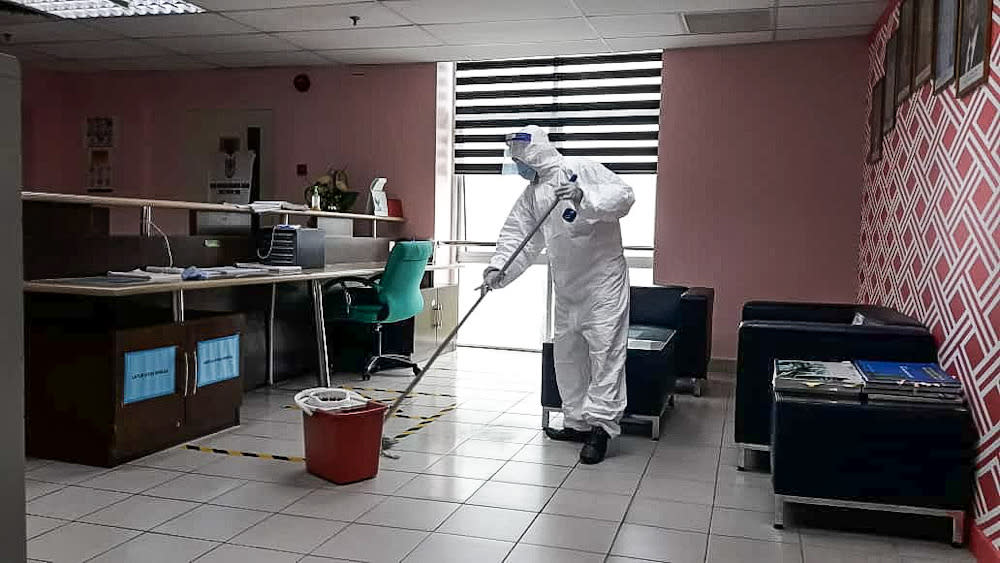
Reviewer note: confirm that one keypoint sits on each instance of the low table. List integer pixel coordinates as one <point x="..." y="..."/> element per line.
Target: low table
<point x="895" y="457"/>
<point x="649" y="377"/>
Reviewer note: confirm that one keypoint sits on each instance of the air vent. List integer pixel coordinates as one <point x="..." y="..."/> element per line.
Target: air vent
<point x="728" y="22"/>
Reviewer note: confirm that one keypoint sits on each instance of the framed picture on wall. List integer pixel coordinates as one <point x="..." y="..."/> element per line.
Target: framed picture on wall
<point x="945" y="32"/>
<point x="904" y="68"/>
<point x="975" y="17"/>
<point x="99" y="133"/>
<point x="923" y="51"/>
<point x="875" y="121"/>
<point x="889" y="88"/>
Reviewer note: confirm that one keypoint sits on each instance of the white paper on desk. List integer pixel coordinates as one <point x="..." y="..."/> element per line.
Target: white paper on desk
<point x="272" y="268"/>
<point x="146" y="276"/>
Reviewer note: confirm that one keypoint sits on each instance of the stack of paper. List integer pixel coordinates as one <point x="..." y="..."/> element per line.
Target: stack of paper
<point x="818" y="378"/>
<point x="271" y="268"/>
<point x="910" y="382"/>
<point x="155" y="277"/>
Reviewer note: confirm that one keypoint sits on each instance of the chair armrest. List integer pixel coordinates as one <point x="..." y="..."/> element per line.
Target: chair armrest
<point x="365" y="283"/>
<point x="694" y="345"/>
<point x="804" y="312"/>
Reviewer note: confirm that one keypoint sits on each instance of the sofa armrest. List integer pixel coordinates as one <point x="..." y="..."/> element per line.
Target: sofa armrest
<point x="694" y="323"/>
<point x="762" y="342"/>
<point x="799" y="312"/>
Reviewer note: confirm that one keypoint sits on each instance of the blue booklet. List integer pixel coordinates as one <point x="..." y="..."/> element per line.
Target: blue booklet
<point x="906" y="373"/>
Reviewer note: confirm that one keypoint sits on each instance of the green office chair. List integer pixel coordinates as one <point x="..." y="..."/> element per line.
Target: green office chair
<point x="389" y="297"/>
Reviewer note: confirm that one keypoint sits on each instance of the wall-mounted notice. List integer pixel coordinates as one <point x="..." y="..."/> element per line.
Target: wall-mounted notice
<point x="218" y="359"/>
<point x="149" y="374"/>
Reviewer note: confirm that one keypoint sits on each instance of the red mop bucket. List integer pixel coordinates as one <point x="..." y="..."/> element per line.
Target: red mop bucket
<point x="344" y="446"/>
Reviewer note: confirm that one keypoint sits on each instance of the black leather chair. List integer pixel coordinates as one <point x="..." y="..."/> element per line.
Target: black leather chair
<point x="812" y="331"/>
<point x="679" y="316"/>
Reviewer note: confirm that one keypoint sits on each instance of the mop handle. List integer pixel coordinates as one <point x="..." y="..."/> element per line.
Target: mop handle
<point x="451" y="335"/>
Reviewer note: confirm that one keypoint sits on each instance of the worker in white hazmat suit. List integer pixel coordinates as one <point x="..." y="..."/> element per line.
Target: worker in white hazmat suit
<point x="590" y="277"/>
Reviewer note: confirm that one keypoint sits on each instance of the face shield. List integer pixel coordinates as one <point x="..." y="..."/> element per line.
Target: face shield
<point x="516" y="143"/>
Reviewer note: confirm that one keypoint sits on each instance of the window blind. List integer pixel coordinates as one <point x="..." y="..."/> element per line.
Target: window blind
<point x="603" y="107"/>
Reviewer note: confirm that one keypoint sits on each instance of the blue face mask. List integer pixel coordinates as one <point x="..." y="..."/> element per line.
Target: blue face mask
<point x="526" y="172"/>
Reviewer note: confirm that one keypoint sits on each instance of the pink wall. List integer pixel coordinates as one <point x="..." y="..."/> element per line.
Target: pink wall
<point x="759" y="179"/>
<point x="930" y="243"/>
<point x="374" y="120"/>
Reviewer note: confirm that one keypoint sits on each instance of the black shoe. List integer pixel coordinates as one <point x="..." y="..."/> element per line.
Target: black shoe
<point x="595" y="448"/>
<point x="567" y="434"/>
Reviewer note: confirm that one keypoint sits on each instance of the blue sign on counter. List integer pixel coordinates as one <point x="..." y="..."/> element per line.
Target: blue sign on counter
<point x="150" y="373"/>
<point x="218" y="360"/>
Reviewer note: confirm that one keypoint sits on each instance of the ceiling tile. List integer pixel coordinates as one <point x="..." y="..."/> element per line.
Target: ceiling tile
<point x="379" y="37"/>
<point x="449" y="11"/>
<point x="118" y="48"/>
<point x="566" y="29"/>
<point x="822" y="32"/>
<point x="228" y="5"/>
<point x="166" y="26"/>
<point x="686" y="41"/>
<point x="250" y="43"/>
<point x="638" y="26"/>
<point x="172" y="62"/>
<point x="55" y="31"/>
<point x="583" y="47"/>
<point x="441" y="53"/>
<point x="319" y="17"/>
<point x="829" y="16"/>
<point x="622" y="7"/>
<point x="286" y="58"/>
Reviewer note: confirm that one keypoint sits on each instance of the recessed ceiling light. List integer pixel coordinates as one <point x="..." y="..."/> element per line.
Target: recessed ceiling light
<point x="73" y="9"/>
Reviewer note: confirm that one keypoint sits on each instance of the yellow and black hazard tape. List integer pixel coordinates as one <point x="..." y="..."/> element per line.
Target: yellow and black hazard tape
<point x="397" y="391"/>
<point x="424" y="422"/>
<point x="236" y="453"/>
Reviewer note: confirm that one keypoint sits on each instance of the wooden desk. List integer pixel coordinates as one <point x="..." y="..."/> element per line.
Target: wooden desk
<point x="316" y="277"/>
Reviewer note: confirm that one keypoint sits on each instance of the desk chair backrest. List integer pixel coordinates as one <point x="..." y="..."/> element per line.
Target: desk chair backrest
<point x="400" y="284"/>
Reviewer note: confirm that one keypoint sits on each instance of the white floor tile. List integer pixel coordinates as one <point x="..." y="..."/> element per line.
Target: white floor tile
<point x="744" y="498"/>
<point x="268" y="497"/>
<point x="511" y="495"/>
<point x="487" y="522"/>
<point x="334" y="505"/>
<point x="386" y="482"/>
<point x="289" y="533"/>
<point x="939" y="550"/>
<point x="751" y="525"/>
<point x="530" y="421"/>
<point x="76" y="542"/>
<point x="34" y="489"/>
<point x="413" y="514"/>
<point x="468" y="467"/>
<point x="846" y="541"/>
<point x="584" y="504"/>
<point x="242" y="554"/>
<point x="487" y="449"/>
<point x="72" y="502"/>
<point x="658" y="544"/>
<point x="668" y="514"/>
<point x="426" y="443"/>
<point x="195" y="488"/>
<point x="507" y="434"/>
<point x="725" y="549"/>
<point x="527" y="553"/>
<point x="176" y="459"/>
<point x="258" y="469"/>
<point x="571" y="533"/>
<point x="140" y="512"/>
<point x="677" y="490"/>
<point x="156" y="548"/>
<point x="413" y="462"/>
<point x="65" y="473"/>
<point x="818" y="554"/>
<point x="374" y="544"/>
<point x="531" y="474"/>
<point x="130" y="479"/>
<point x="551" y="454"/>
<point x="604" y="481"/>
<point x="439" y="487"/>
<point x="215" y="523"/>
<point x="38" y="525"/>
<point x="444" y="548"/>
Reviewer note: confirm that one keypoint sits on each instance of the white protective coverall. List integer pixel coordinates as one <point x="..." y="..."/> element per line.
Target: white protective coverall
<point x="589" y="274"/>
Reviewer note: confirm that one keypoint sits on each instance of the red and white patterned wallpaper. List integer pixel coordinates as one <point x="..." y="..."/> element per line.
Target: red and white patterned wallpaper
<point x="930" y="241"/>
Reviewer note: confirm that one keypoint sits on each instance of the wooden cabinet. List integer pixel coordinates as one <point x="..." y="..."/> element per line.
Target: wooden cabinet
<point x="103" y="397"/>
<point x="439" y="317"/>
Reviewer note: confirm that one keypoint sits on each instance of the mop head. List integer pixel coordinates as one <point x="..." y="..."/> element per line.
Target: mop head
<point x="387" y="444"/>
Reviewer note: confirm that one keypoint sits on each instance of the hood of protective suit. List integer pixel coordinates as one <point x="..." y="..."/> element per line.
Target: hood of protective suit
<point x="537" y="153"/>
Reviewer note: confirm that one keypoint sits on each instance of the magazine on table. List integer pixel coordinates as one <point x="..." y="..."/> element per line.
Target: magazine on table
<point x="816" y="377"/>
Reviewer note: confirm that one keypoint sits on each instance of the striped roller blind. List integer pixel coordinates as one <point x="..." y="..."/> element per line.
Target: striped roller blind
<point x="603" y="107"/>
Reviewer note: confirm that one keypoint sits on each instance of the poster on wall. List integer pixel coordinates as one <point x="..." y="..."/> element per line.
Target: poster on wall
<point x="875" y="122"/>
<point x="973" y="44"/>
<point x="99" y="171"/>
<point x="889" y="99"/>
<point x="904" y="46"/>
<point x="100" y="132"/>
<point x="923" y="57"/>
<point x="945" y="26"/>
